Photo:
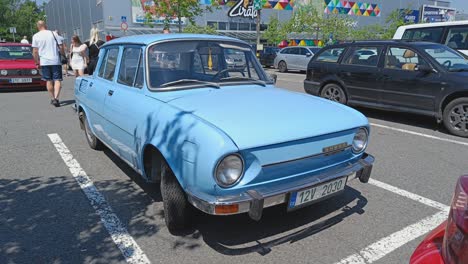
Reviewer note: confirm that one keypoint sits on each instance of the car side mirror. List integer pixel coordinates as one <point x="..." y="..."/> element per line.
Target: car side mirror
<point x="425" y="69"/>
<point x="308" y="54"/>
<point x="273" y="77"/>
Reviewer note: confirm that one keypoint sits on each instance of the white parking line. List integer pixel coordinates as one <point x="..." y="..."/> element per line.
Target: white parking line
<point x="409" y="195"/>
<point x="119" y="234"/>
<point x="421" y="134"/>
<point x="390" y="243"/>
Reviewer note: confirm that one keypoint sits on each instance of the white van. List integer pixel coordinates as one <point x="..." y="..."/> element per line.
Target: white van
<point x="453" y="34"/>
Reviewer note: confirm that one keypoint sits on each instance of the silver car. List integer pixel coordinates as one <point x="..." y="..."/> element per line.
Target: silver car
<point x="294" y="58"/>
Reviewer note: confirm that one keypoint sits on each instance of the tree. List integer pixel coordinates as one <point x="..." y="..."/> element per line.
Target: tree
<point x="192" y="28"/>
<point x="179" y="9"/>
<point x="22" y="14"/>
<point x="394" y="20"/>
<point x="275" y="32"/>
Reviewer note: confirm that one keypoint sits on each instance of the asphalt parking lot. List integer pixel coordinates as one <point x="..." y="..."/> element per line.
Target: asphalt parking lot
<point x="111" y="216"/>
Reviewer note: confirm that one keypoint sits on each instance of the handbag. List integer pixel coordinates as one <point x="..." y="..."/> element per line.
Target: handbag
<point x="63" y="58"/>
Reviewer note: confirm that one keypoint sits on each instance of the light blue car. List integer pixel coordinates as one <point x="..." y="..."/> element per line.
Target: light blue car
<point x="221" y="139"/>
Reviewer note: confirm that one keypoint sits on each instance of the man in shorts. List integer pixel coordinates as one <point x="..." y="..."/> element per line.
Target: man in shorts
<point x="47" y="48"/>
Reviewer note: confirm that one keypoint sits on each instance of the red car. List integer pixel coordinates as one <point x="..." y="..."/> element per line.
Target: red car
<point x="448" y="243"/>
<point x="17" y="67"/>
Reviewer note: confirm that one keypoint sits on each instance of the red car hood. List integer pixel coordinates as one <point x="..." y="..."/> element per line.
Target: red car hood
<point x="17" y="64"/>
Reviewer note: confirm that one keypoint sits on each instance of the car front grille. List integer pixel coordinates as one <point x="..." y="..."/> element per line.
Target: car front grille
<point x="19" y="72"/>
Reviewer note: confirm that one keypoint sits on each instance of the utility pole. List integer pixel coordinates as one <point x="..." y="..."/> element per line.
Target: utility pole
<point x="257" y="4"/>
<point x="258" y="28"/>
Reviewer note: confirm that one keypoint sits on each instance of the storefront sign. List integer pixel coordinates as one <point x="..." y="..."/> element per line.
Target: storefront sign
<point x="243" y="8"/>
<point x="432" y="14"/>
<point x="410" y="16"/>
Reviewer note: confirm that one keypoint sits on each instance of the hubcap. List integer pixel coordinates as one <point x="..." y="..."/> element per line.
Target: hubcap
<point x="459" y="117"/>
<point x="333" y="94"/>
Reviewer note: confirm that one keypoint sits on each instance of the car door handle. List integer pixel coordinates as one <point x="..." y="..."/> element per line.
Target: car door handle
<point x="110" y="92"/>
<point x="348" y="74"/>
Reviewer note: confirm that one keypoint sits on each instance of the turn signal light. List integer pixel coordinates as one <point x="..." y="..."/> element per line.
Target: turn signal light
<point x="227" y="209"/>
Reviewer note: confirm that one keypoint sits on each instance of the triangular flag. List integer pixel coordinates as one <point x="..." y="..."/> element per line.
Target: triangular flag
<point x="339" y="4"/>
<point x="327" y="2"/>
<point x="372" y="14"/>
<point x="347" y="4"/>
<point x="284" y="1"/>
<point x="369" y="7"/>
<point x="292" y="43"/>
<point x="326" y="11"/>
<point x="288" y="7"/>
<point x="358" y="12"/>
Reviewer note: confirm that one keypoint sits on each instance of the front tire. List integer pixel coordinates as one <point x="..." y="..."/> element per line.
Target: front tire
<point x="334" y="92"/>
<point x="282" y="67"/>
<point x="92" y="140"/>
<point x="177" y="210"/>
<point x="456" y="117"/>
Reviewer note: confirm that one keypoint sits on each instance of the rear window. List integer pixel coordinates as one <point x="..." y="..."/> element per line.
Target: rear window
<point x="330" y="55"/>
<point x="424" y="34"/>
<point x="15" y="53"/>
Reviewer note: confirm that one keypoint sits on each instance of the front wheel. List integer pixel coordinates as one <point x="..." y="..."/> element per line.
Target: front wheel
<point x="177" y="210"/>
<point x="456" y="117"/>
<point x="93" y="141"/>
<point x="282" y="67"/>
<point x="334" y="92"/>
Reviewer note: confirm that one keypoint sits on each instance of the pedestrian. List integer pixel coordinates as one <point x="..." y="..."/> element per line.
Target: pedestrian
<point x="25" y="40"/>
<point x="94" y="44"/>
<point x="47" y="51"/>
<point x="65" y="62"/>
<point x="79" y="57"/>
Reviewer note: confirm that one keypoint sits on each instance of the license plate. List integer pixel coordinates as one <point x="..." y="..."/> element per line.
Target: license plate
<point x="21" y="80"/>
<point x="316" y="192"/>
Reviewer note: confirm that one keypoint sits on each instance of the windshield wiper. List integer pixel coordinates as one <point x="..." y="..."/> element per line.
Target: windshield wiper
<point x="190" y="81"/>
<point x="238" y="78"/>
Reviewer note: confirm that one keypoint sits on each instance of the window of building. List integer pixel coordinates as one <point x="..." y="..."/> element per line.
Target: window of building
<point x="330" y="55"/>
<point x="364" y="56"/>
<point x="232" y="26"/>
<point x="244" y="26"/>
<point x="263" y="27"/>
<point x="129" y="65"/>
<point x="403" y="59"/>
<point x="107" y="69"/>
<point x="222" y="25"/>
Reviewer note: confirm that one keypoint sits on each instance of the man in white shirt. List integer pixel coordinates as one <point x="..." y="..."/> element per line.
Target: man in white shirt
<point x="24" y="40"/>
<point x="46" y="51"/>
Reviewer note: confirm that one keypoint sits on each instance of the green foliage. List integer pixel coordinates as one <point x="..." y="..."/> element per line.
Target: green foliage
<point x="276" y="31"/>
<point x="192" y="28"/>
<point x="22" y="14"/>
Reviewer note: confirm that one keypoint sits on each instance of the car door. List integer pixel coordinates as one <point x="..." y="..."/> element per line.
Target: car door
<point x="304" y="58"/>
<point x="404" y="85"/>
<point x="292" y="58"/>
<point x="361" y="74"/>
<point x="124" y="104"/>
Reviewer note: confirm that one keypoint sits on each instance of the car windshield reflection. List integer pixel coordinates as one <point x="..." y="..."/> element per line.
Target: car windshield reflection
<point x="202" y="63"/>
<point x="448" y="58"/>
<point x="15" y="53"/>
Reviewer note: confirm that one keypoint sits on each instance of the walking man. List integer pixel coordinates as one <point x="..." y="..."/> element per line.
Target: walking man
<point x="47" y="48"/>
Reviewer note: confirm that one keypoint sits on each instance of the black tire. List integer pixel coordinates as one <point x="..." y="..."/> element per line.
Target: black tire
<point x="334" y="92"/>
<point x="282" y="66"/>
<point x="456" y="117"/>
<point x="177" y="209"/>
<point x="93" y="141"/>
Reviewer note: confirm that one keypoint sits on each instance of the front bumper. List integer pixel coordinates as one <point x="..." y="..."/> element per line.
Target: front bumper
<point x="255" y="200"/>
<point x="37" y="82"/>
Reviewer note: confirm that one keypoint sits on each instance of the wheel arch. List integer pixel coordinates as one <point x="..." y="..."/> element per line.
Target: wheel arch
<point x="449" y="98"/>
<point x="333" y="81"/>
<point x="152" y="161"/>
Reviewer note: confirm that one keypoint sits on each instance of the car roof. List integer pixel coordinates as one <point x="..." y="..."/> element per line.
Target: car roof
<point x="385" y="42"/>
<point x="152" y="38"/>
<point x="436" y="24"/>
<point x="13" y="44"/>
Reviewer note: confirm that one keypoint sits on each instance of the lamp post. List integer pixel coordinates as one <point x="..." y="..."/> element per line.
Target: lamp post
<point x="258" y="6"/>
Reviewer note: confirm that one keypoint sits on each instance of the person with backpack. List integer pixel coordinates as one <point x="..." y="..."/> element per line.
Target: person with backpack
<point x="93" y="44"/>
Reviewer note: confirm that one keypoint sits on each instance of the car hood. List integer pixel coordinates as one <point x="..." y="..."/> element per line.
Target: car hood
<point x="254" y="116"/>
<point x="17" y="64"/>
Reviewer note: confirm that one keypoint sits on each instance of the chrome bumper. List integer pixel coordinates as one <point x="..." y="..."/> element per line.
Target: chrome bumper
<point x="253" y="201"/>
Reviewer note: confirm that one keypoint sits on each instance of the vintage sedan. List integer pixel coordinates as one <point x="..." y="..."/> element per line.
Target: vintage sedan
<point x="221" y="139"/>
<point x="17" y="68"/>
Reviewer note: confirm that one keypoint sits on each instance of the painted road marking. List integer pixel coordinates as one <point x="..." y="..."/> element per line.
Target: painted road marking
<point x="421" y="134"/>
<point x="409" y="195"/>
<point x="386" y="245"/>
<point x="119" y="234"/>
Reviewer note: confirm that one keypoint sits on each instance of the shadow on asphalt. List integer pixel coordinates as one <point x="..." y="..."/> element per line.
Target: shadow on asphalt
<point x="67" y="102"/>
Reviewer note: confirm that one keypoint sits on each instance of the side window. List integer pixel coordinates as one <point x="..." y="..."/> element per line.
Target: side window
<point x="285" y="51"/>
<point x="294" y="51"/>
<point x="364" y="56"/>
<point x="330" y="55"/>
<point x="129" y="65"/>
<point x="197" y="63"/>
<point x="304" y="51"/>
<point x="457" y="38"/>
<point x="103" y="65"/>
<point x="424" y="34"/>
<point x="139" y="79"/>
<point x="108" y="66"/>
<point x="403" y="59"/>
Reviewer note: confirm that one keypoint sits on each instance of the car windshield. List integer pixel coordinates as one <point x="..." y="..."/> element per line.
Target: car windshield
<point x="448" y="58"/>
<point x="15" y="53"/>
<point x="201" y="63"/>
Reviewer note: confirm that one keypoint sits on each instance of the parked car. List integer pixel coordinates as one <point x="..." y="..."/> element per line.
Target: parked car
<point x="416" y="77"/>
<point x="453" y="34"/>
<point x="268" y="55"/>
<point x="214" y="136"/>
<point x="17" y="68"/>
<point x="448" y="243"/>
<point x="294" y="58"/>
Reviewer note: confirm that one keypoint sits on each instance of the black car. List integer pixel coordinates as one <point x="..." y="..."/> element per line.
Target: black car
<point x="268" y="55"/>
<point x="417" y="77"/>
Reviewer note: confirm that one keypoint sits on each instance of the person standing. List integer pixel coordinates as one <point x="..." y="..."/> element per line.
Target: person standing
<point x="46" y="51"/>
<point x="94" y="44"/>
<point x="78" y="56"/>
<point x="24" y="40"/>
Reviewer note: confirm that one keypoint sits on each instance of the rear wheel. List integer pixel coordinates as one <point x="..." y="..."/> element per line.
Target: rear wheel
<point x="282" y="67"/>
<point x="456" y="117"/>
<point x="93" y="141"/>
<point x="334" y="92"/>
<point x="177" y="209"/>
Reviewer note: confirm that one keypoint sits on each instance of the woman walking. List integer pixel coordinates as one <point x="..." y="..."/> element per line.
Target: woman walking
<point x="79" y="58"/>
<point x="93" y="44"/>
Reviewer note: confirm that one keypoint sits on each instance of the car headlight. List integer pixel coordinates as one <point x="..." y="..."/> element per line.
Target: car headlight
<point x="360" y="140"/>
<point x="4" y="72"/>
<point x="229" y="170"/>
<point x="33" y="71"/>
